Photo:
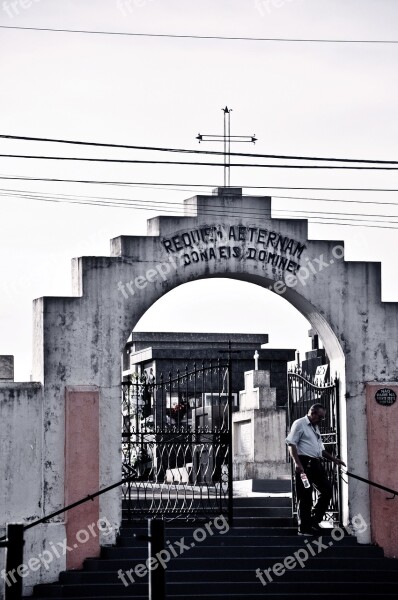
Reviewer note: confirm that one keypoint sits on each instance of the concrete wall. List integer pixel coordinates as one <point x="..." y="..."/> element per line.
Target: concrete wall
<point x="21" y="474"/>
<point x="259" y="431"/>
<point x="21" y="434"/>
<point x="79" y="340"/>
<point x="24" y="491"/>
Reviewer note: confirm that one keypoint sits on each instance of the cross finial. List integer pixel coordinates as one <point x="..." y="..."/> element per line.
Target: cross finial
<point x="256" y="357"/>
<point x="227" y="138"/>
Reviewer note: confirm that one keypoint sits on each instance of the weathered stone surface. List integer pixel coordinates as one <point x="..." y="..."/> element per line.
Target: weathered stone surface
<point x="79" y="340"/>
<point x="80" y="337"/>
<point x="6" y="368"/>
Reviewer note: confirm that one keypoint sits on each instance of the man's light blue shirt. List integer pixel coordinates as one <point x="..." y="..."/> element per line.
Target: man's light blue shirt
<point x="306" y="437"/>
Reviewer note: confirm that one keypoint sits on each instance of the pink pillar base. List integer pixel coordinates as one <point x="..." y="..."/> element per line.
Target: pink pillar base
<point x="81" y="473"/>
<point x="383" y="467"/>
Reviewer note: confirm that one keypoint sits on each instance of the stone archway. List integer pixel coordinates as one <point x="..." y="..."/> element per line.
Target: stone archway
<point x="77" y="338"/>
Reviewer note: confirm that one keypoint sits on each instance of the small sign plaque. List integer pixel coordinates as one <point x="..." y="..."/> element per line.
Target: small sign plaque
<point x="385" y="396"/>
<point x="320" y="374"/>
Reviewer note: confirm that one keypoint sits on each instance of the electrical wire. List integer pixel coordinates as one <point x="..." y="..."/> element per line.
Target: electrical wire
<point x="180" y="186"/>
<point x="195" y="164"/>
<point x="216" y="211"/>
<point x="202" y="37"/>
<point x="222" y="209"/>
<point x="189" y="151"/>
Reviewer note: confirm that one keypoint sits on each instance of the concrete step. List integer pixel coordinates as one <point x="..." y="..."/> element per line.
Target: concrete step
<point x="245" y="539"/>
<point x="239" y="596"/>
<point x="242" y="575"/>
<point x="275" y="486"/>
<point x="197" y="550"/>
<point x="223" y="565"/>
<point x="263" y="501"/>
<point x="238" y="501"/>
<point x="239" y="511"/>
<point x="247" y="521"/>
<point x="269" y="511"/>
<point x="177" y="532"/>
<point x="197" y="589"/>
<point x="247" y="596"/>
<point x="232" y="563"/>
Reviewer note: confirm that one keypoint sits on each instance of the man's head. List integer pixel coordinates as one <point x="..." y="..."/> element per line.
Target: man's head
<point x="316" y="413"/>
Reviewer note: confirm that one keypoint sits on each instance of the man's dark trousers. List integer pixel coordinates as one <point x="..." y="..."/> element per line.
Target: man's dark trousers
<point x="318" y="479"/>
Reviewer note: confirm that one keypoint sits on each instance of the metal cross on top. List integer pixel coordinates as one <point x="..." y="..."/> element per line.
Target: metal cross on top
<point x="227" y="138"/>
<point x="256" y="357"/>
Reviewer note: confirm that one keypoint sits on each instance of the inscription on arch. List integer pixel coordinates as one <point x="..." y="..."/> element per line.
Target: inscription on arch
<point x="217" y="242"/>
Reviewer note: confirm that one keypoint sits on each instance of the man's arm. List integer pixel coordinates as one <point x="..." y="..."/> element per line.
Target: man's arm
<point x="293" y="453"/>
<point x="332" y="458"/>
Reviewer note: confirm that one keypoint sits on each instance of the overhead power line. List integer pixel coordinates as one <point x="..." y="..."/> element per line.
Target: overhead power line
<point x="218" y="209"/>
<point x="181" y="186"/>
<point x="173" y="212"/>
<point x="214" y="210"/>
<point x="194" y="164"/>
<point x="189" y="151"/>
<point x="204" y="37"/>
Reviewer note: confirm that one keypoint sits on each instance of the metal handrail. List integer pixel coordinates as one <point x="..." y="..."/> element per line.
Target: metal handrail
<point x="74" y="504"/>
<point x="14" y="542"/>
<point x="372" y="483"/>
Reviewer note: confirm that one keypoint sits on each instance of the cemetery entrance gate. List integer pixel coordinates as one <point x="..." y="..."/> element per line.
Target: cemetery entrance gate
<point x="176" y="440"/>
<point x="302" y="393"/>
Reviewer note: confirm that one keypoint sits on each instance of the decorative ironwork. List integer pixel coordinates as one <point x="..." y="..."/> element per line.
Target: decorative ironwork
<point x="176" y="442"/>
<point x="302" y="393"/>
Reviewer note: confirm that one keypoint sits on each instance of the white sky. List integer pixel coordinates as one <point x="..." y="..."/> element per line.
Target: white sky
<point x="305" y="99"/>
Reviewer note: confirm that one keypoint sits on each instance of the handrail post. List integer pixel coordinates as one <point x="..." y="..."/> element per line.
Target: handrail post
<point x="338" y="448"/>
<point x="230" y="449"/>
<point x="156" y="575"/>
<point x="14" y="560"/>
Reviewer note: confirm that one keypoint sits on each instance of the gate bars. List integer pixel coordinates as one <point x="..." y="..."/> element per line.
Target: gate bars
<point x="176" y="443"/>
<point x="302" y="393"/>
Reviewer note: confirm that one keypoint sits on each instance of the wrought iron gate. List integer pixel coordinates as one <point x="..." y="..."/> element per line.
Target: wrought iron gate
<point x="302" y="393"/>
<point x="176" y="443"/>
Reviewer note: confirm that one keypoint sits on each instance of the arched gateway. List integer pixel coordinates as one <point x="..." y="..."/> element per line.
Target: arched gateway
<point x="74" y="409"/>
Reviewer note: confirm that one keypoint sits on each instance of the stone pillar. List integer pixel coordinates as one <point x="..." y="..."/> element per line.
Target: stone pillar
<point x="382" y="418"/>
<point x="259" y="431"/>
<point x="81" y="473"/>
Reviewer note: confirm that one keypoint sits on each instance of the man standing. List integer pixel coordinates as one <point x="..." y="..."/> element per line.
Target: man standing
<point x="306" y="449"/>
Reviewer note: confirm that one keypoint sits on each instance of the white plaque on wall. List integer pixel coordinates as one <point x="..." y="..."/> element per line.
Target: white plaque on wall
<point x="245" y="440"/>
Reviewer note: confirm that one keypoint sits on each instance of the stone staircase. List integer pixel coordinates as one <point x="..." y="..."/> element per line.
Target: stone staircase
<point x="224" y="564"/>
